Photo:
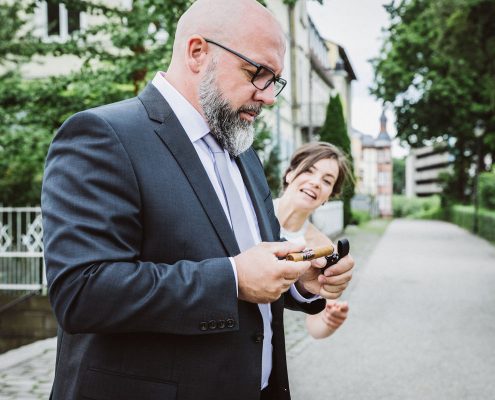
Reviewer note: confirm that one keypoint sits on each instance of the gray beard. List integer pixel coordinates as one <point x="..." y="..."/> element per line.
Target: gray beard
<point x="233" y="133"/>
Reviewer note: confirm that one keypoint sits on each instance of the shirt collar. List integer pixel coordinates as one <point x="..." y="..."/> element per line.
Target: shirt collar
<point x="190" y="119"/>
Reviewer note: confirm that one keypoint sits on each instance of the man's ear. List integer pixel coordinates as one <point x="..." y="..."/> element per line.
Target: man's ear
<point x="196" y="53"/>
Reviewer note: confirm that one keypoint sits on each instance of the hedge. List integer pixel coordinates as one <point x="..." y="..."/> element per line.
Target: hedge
<point x="464" y="217"/>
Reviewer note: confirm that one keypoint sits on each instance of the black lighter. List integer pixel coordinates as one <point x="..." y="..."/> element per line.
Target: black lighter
<point x="343" y="248"/>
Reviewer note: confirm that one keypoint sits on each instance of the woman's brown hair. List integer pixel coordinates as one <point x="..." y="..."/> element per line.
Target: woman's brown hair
<point x="310" y="153"/>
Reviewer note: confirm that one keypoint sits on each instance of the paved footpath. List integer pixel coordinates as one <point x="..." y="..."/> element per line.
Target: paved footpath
<point x="421" y="326"/>
<point x="421" y="323"/>
<point x="27" y="373"/>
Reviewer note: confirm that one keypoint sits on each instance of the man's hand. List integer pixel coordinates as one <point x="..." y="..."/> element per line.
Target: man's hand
<point x="332" y="283"/>
<point x="262" y="277"/>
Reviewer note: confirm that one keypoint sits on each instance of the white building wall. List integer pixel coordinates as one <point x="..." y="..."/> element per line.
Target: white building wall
<point x="329" y="218"/>
<point x="424" y="164"/>
<point x="370" y="172"/>
<point x="318" y="92"/>
<point x="410" y="190"/>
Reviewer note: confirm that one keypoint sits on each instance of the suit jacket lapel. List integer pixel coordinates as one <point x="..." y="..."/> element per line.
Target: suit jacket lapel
<point x="175" y="138"/>
<point x="244" y="161"/>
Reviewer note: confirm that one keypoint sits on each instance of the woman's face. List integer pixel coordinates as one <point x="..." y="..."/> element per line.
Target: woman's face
<point x="312" y="188"/>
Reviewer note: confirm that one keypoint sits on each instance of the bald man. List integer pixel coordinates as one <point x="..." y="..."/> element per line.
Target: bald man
<point x="161" y="243"/>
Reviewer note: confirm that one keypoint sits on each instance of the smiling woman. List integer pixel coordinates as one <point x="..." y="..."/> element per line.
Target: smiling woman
<point x="316" y="173"/>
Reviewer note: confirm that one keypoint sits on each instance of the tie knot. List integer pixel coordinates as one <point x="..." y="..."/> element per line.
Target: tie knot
<point x="212" y="143"/>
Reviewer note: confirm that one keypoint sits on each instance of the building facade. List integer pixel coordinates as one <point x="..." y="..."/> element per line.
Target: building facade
<point x="342" y="76"/>
<point x="315" y="68"/>
<point x="373" y="170"/>
<point x="300" y="108"/>
<point x="423" y="169"/>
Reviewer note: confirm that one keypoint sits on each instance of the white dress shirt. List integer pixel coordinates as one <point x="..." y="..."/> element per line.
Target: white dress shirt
<point x="196" y="128"/>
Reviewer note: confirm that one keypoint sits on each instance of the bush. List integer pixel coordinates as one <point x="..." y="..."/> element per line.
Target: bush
<point x="464" y="217"/>
<point x="416" y="207"/>
<point x="487" y="190"/>
<point x="360" y="217"/>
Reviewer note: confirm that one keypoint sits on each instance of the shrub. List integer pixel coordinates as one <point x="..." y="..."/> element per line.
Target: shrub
<point x="360" y="217"/>
<point x="464" y="217"/>
<point x="416" y="207"/>
<point x="487" y="190"/>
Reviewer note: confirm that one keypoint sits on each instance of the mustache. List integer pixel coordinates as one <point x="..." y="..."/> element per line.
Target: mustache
<point x="253" y="109"/>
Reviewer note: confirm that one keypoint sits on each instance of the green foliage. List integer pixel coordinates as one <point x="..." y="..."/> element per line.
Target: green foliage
<point x="119" y="56"/>
<point x="437" y="68"/>
<point x="486" y="187"/>
<point x="448" y="183"/>
<point x="399" y="175"/>
<point x="334" y="131"/>
<point x="464" y="217"/>
<point x="22" y="154"/>
<point x="360" y="217"/>
<point x="17" y="44"/>
<point x="417" y="207"/>
<point x="269" y="155"/>
<point x="334" y="128"/>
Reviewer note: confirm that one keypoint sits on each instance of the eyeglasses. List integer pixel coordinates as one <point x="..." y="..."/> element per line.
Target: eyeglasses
<point x="263" y="77"/>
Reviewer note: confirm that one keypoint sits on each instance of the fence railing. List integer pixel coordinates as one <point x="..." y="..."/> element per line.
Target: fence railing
<point x="21" y="249"/>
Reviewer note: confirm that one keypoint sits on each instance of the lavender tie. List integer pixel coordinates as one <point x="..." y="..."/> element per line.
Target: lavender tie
<point x="234" y="204"/>
<point x="244" y="239"/>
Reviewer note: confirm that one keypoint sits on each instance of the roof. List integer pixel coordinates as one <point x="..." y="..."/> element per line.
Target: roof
<point x="370" y="141"/>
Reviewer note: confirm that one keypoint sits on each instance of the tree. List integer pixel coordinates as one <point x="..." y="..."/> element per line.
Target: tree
<point x="269" y="154"/>
<point x="399" y="178"/>
<point x="487" y="190"/>
<point x="334" y="131"/>
<point x="437" y="67"/>
<point x="119" y="55"/>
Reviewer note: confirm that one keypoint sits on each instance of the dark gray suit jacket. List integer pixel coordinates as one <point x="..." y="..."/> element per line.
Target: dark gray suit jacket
<point x="136" y="246"/>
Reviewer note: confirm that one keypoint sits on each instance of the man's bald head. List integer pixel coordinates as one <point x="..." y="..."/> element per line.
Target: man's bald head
<point x="227" y="21"/>
<point x="214" y="43"/>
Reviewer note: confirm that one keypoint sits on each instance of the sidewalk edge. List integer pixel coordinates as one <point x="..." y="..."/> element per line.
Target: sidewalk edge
<point x="24" y="353"/>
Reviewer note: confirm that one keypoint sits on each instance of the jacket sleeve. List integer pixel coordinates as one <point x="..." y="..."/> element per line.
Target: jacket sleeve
<point x="92" y="239"/>
<point x="313" y="307"/>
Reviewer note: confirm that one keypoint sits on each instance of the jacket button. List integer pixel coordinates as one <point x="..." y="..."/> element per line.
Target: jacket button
<point x="221" y="323"/>
<point x="258" y="338"/>
<point x="212" y="324"/>
<point x="230" y="323"/>
<point x="203" y="326"/>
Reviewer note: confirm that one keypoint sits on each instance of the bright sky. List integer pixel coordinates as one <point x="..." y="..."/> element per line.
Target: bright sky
<point x="356" y="25"/>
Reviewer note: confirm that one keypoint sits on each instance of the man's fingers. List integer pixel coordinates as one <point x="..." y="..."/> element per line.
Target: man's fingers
<point x="345" y="264"/>
<point x="334" y="289"/>
<point x="319" y="262"/>
<point x="336" y="280"/>
<point x="328" y="295"/>
<point x="281" y="249"/>
<point x="292" y="270"/>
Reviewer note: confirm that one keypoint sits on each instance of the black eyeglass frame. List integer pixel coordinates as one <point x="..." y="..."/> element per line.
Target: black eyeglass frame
<point x="281" y="81"/>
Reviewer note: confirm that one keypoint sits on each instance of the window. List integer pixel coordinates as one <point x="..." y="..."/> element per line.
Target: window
<point x="53" y="14"/>
<point x="384" y="156"/>
<point x="73" y="21"/>
<point x="383" y="178"/>
<point x="60" y="21"/>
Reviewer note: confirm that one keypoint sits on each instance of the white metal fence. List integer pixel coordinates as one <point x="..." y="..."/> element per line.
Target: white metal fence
<point x="21" y="249"/>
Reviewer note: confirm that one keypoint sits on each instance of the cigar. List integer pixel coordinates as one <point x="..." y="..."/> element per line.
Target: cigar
<point x="310" y="254"/>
